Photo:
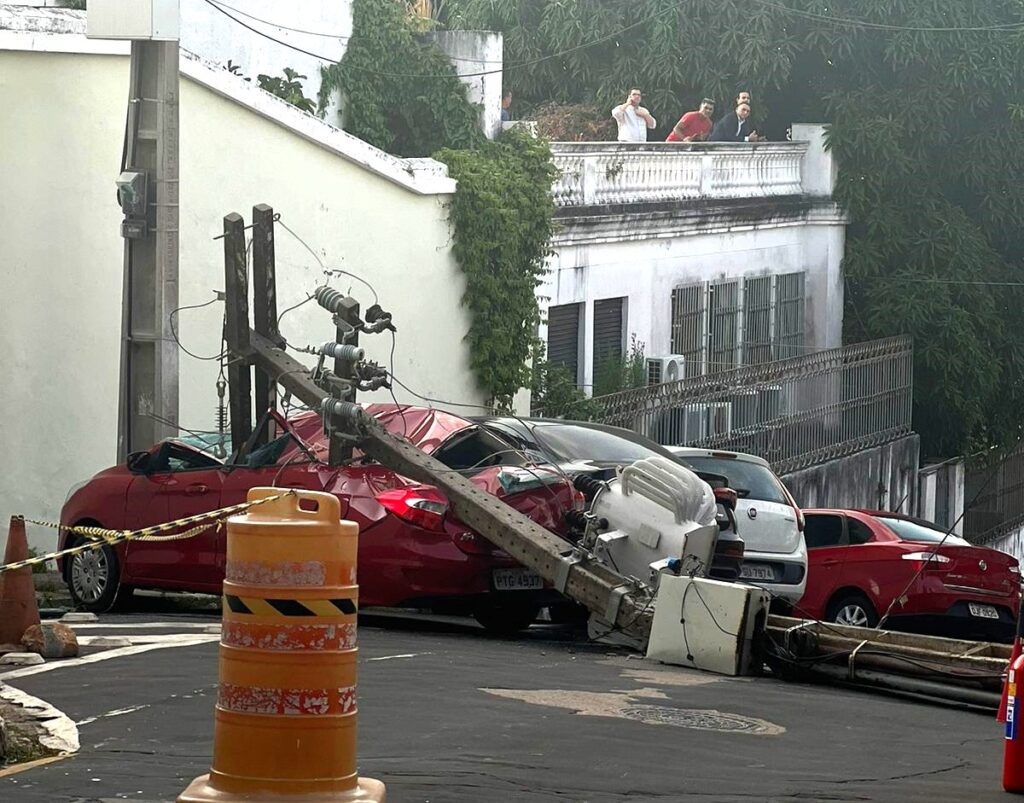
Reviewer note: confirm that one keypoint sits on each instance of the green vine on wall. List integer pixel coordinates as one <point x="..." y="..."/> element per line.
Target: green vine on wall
<point x="502" y="212"/>
<point x="503" y="218"/>
<point x="382" y="104"/>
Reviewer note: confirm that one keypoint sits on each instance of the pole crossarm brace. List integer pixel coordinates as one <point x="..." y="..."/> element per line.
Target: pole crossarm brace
<point x="586" y="581"/>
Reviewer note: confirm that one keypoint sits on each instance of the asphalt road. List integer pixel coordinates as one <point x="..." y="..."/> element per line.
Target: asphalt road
<point x="447" y="714"/>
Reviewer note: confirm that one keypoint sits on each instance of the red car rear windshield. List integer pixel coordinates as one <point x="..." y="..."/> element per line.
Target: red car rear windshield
<point x="907" y="530"/>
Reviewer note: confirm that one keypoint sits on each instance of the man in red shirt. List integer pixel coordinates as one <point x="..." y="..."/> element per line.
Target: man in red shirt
<point x="694" y="126"/>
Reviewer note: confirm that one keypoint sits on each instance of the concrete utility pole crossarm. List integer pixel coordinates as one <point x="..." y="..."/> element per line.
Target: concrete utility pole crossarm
<point x="148" y="194"/>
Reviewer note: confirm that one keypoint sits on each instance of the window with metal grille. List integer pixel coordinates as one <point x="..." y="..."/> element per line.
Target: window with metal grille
<point x="564" y="337"/>
<point x="789" y="315"/>
<point x="688" y="313"/>
<point x="723" y="334"/>
<point x="757" y="320"/>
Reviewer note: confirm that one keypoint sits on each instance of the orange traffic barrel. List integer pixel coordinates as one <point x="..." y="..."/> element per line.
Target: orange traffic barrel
<point x="285" y="721"/>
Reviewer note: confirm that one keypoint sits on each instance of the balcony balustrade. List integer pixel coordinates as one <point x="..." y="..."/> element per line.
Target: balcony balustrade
<point x="603" y="173"/>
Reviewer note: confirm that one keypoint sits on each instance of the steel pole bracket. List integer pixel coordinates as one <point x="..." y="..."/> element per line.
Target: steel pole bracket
<point x="568" y="560"/>
<point x="611" y="609"/>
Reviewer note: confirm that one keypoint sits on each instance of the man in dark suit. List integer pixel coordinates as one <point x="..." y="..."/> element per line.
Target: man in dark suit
<point x="735" y="127"/>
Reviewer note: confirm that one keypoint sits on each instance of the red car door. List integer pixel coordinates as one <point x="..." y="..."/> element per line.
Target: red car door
<point x="180" y="481"/>
<point x="826" y="538"/>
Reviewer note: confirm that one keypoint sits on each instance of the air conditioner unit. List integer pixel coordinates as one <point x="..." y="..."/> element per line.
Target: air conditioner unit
<point x="691" y="423"/>
<point x="707" y="420"/>
<point x="670" y="368"/>
<point x="772" y="402"/>
<point x="745" y="408"/>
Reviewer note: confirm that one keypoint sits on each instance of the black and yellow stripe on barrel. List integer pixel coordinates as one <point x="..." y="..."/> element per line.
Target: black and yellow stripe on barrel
<point x="257" y="606"/>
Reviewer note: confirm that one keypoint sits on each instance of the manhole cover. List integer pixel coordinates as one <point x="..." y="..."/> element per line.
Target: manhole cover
<point x="697" y="719"/>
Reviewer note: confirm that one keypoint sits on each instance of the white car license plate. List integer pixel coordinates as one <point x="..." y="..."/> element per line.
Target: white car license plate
<point x="516" y="580"/>
<point x="984" y="611"/>
<point x="756" y="571"/>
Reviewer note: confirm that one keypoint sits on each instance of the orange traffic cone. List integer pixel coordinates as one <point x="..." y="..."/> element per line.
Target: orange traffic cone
<point x="285" y="720"/>
<point x="18" y="609"/>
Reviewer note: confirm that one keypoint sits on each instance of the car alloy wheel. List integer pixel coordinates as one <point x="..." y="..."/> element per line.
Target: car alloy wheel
<point x="90" y="575"/>
<point x="854" y="615"/>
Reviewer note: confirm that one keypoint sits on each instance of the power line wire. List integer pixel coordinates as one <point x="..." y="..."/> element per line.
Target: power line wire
<point x="335" y="36"/>
<point x="528" y="63"/>
<point x="851" y="22"/>
<point x="926" y="280"/>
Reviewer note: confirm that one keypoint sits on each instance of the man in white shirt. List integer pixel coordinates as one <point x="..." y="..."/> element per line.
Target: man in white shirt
<point x="633" y="119"/>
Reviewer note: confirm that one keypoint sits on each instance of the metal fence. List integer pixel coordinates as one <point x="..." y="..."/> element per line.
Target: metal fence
<point x="993" y="494"/>
<point x="795" y="413"/>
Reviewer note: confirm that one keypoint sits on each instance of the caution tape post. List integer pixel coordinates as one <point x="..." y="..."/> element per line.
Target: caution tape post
<point x="285" y="720"/>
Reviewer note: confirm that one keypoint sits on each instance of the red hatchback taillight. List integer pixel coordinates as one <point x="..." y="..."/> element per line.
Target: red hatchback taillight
<point x="423" y="507"/>
<point x="932" y="561"/>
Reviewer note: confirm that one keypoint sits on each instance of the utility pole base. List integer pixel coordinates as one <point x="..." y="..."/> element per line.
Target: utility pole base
<point x="367" y="790"/>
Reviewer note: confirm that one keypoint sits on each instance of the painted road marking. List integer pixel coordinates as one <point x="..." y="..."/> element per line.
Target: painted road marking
<point x="403" y="655"/>
<point x="115" y="713"/>
<point x="121" y="652"/>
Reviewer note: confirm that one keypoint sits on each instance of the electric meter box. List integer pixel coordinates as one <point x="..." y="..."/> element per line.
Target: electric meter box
<point x="155" y="20"/>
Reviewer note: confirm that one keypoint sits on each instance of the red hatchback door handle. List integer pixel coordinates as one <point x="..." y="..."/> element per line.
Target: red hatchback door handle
<point x="830" y="562"/>
<point x="196" y="490"/>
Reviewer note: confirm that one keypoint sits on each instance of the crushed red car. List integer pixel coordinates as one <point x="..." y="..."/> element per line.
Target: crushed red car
<point x="412" y="550"/>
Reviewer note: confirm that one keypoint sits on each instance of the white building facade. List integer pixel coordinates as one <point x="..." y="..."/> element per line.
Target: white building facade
<point x="715" y="255"/>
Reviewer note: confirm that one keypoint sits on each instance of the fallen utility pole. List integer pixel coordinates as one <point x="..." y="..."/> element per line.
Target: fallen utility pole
<point x="615" y="600"/>
<point x="967" y="672"/>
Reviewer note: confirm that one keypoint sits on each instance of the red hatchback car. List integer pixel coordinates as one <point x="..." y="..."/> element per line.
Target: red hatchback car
<point x="411" y="550"/>
<point x="860" y="561"/>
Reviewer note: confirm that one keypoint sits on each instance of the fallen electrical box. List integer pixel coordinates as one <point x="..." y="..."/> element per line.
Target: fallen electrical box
<point x="707" y="624"/>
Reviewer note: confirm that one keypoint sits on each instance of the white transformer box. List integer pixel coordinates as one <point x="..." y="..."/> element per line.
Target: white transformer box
<point x="707" y="624"/>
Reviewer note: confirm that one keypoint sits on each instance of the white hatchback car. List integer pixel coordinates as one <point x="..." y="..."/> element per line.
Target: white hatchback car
<point x="769" y="521"/>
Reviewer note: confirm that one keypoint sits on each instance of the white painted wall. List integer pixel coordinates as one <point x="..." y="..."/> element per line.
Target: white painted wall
<point x="321" y="27"/>
<point x="61" y="256"/>
<point x="477" y="57"/>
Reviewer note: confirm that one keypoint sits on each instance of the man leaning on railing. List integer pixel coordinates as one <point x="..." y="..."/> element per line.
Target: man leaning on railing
<point x="735" y="127"/>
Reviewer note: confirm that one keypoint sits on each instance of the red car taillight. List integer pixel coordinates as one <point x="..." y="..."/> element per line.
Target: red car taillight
<point x="932" y="561"/>
<point x="423" y="507"/>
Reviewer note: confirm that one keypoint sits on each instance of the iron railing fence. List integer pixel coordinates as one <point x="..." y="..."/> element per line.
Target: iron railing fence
<point x="993" y="494"/>
<point x="795" y="413"/>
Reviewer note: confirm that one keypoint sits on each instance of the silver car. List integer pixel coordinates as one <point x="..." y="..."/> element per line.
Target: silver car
<point x="771" y="524"/>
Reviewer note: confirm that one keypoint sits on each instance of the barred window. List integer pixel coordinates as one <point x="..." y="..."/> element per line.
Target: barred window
<point x="688" y="314"/>
<point x="789" y="315"/>
<point x="716" y="328"/>
<point x="723" y="334"/>
<point x="757" y="320"/>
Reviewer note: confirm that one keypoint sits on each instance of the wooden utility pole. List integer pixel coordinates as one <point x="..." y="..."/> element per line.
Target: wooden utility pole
<point x="264" y="306"/>
<point x="236" y="330"/>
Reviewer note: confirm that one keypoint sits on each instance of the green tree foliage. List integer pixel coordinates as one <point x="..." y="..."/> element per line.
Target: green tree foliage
<point x="502" y="216"/>
<point x="288" y="88"/>
<point x="382" y="103"/>
<point x="621" y="372"/>
<point x="927" y="124"/>
<point x="401" y="94"/>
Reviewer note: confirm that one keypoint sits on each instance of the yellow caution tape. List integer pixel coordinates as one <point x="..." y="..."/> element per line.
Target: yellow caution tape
<point x="100" y="536"/>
